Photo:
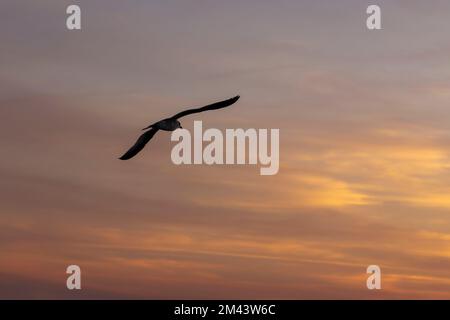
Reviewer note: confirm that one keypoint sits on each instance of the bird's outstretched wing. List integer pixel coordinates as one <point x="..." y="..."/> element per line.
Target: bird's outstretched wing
<point x="214" y="106"/>
<point x="139" y="145"/>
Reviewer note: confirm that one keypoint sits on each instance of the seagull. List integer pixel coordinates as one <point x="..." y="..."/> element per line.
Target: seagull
<point x="171" y="124"/>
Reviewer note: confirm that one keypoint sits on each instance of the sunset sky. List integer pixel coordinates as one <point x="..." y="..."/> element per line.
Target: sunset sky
<point x="364" y="119"/>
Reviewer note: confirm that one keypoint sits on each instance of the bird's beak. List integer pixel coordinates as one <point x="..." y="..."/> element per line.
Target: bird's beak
<point x="181" y="127"/>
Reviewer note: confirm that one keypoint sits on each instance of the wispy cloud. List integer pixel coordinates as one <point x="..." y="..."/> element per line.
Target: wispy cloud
<point x="364" y="151"/>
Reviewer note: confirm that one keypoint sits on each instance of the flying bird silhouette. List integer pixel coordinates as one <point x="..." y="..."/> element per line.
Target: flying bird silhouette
<point x="171" y="124"/>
